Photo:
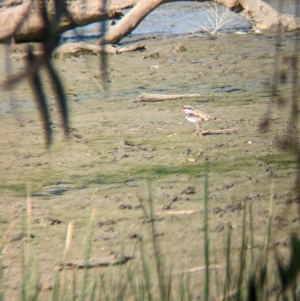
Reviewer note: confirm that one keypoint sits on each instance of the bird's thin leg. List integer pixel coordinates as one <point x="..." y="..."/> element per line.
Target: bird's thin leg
<point x="198" y="129"/>
<point x="198" y="125"/>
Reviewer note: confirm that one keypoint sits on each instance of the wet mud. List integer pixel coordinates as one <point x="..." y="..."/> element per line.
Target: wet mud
<point x="122" y="153"/>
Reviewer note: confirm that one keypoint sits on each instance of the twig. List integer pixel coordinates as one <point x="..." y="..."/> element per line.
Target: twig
<point x="95" y="81"/>
<point x="216" y="132"/>
<point x="131" y="48"/>
<point x="202" y="268"/>
<point x="177" y="212"/>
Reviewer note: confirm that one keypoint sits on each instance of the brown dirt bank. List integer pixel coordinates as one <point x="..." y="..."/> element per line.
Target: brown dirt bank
<point x="118" y="144"/>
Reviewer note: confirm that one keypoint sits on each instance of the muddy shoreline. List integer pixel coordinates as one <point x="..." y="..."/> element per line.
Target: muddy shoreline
<point x="120" y="150"/>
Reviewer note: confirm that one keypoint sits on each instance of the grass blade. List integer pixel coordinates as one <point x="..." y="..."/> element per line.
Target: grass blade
<point x="206" y="236"/>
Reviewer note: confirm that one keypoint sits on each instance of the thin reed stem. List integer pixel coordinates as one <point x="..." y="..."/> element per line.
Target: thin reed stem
<point x="206" y="236"/>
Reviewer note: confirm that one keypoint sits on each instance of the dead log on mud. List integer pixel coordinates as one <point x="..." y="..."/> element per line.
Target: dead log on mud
<point x="161" y="97"/>
<point x="89" y="265"/>
<point x="25" y="22"/>
<point x="217" y="132"/>
<point x="264" y="16"/>
<point x="81" y="48"/>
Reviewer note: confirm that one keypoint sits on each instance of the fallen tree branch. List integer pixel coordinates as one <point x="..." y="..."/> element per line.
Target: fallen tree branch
<point x="10" y="3"/>
<point x="264" y="16"/>
<point x="79" y="47"/>
<point x="217" y="132"/>
<point x="24" y="22"/>
<point x="130" y="21"/>
<point x="144" y="97"/>
<point x="82" y="47"/>
<point x="88" y="265"/>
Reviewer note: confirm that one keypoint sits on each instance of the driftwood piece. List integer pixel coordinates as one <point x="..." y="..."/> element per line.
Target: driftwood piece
<point x="131" y="48"/>
<point x="24" y="22"/>
<point x="161" y="97"/>
<point x="263" y="14"/>
<point x="10" y="3"/>
<point x="82" y="47"/>
<point x="217" y="132"/>
<point x="105" y="262"/>
<point x="177" y="212"/>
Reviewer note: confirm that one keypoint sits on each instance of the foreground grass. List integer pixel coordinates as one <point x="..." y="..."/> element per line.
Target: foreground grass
<point x="248" y="276"/>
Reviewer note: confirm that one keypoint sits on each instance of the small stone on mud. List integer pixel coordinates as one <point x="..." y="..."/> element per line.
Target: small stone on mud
<point x="108" y="222"/>
<point x="154" y="55"/>
<point x="108" y="238"/>
<point x="179" y="48"/>
<point x="192" y="160"/>
<point x="166" y="207"/>
<point x="233" y="207"/>
<point x="110" y="229"/>
<point x="222" y="226"/>
<point x="252" y="196"/>
<point x="128" y="143"/>
<point x="123" y="206"/>
<point x="150" y="220"/>
<point x="229" y="185"/>
<point x="175" y="199"/>
<point x="77" y="136"/>
<point x="50" y="221"/>
<point x="59" y="191"/>
<point x="133" y="235"/>
<point x="282" y="242"/>
<point x="188" y="190"/>
<point x="217" y="210"/>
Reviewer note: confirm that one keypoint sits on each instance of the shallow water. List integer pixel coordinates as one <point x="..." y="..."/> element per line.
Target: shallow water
<point x="180" y="18"/>
<point x="177" y="18"/>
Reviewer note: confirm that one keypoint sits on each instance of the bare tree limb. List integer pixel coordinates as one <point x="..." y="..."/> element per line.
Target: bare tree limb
<point x="131" y="20"/>
<point x="32" y="27"/>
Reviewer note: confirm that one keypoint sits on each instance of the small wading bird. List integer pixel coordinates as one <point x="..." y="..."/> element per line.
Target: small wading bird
<point x="196" y="117"/>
